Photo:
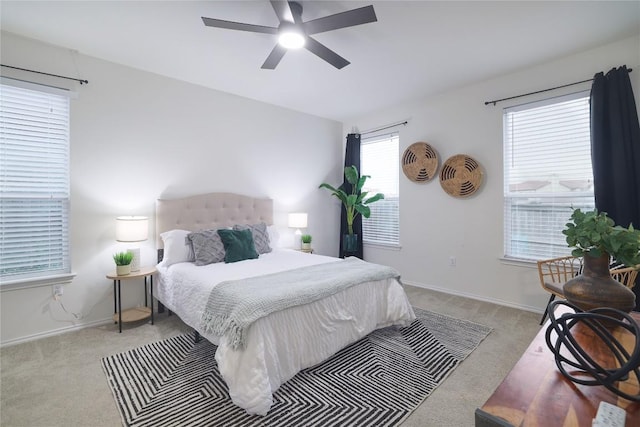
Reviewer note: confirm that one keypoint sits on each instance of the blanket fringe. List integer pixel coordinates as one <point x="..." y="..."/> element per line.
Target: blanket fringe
<point x="224" y="326"/>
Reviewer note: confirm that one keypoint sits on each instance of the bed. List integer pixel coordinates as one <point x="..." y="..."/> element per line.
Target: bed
<point x="278" y="345"/>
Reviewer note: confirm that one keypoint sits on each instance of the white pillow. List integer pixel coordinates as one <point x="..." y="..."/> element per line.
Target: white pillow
<point x="274" y="236"/>
<point x="177" y="248"/>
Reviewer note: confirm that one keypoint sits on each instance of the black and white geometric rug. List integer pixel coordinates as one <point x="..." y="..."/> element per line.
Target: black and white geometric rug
<point x="377" y="381"/>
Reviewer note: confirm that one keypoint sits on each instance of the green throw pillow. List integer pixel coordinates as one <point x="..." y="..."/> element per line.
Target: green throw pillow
<point x="238" y="245"/>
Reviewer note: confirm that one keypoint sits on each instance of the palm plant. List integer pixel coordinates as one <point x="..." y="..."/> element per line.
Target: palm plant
<point x="355" y="203"/>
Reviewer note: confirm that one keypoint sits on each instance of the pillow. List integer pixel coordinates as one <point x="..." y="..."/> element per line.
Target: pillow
<point x="207" y="247"/>
<point x="176" y="247"/>
<point x="260" y="236"/>
<point x="238" y="245"/>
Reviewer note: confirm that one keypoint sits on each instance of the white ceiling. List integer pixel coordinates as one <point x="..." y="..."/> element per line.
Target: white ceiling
<point x="417" y="48"/>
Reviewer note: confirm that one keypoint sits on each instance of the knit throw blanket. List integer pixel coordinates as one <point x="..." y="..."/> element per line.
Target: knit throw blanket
<point x="234" y="305"/>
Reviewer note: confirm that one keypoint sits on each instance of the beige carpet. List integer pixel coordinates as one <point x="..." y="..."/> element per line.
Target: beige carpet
<point x="59" y="381"/>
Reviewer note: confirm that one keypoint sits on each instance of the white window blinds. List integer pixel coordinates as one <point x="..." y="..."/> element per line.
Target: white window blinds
<point x="379" y="158"/>
<point x="34" y="184"/>
<point x="547" y="171"/>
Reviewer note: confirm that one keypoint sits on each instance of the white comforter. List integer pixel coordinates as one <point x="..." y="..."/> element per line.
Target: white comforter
<point x="285" y="342"/>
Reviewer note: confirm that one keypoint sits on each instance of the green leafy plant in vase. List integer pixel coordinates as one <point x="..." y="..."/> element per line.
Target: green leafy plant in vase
<point x="306" y="241"/>
<point x="595" y="237"/>
<point x="123" y="262"/>
<point x="355" y="203"/>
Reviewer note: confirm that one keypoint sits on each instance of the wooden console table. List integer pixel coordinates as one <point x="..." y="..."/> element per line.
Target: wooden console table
<point x="535" y="393"/>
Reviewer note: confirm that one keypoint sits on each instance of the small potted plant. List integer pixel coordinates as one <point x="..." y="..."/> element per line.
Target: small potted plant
<point x="123" y="262"/>
<point x="306" y="242"/>
<point x="595" y="237"/>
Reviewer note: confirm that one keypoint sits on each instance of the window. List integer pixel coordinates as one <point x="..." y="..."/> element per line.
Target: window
<point x="34" y="183"/>
<point x="547" y="172"/>
<point x="379" y="158"/>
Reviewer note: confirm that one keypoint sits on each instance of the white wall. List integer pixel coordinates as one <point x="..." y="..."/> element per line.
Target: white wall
<point x="435" y="226"/>
<point x="137" y="137"/>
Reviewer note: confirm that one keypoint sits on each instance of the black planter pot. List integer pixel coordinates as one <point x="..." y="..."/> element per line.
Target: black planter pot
<point x="350" y="243"/>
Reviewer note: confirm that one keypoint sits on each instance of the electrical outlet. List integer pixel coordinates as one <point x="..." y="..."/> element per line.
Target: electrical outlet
<point x="57" y="291"/>
<point x="452" y="261"/>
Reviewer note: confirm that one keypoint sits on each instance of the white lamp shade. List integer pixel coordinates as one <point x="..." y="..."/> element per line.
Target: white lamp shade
<point x="298" y="220"/>
<point x="132" y="228"/>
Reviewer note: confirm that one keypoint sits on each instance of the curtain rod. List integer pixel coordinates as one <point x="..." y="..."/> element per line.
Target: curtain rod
<point x="385" y="127"/>
<point x="46" y="74"/>
<point x="541" y="91"/>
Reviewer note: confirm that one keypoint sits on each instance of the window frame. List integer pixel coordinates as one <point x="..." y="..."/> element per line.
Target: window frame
<point x="553" y="203"/>
<point x="60" y="192"/>
<point x="393" y="138"/>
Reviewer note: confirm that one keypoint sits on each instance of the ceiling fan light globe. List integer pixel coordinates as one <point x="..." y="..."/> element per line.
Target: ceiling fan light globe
<point x="291" y="40"/>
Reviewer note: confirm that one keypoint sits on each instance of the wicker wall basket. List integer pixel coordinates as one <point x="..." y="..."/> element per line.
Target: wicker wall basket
<point x="461" y="176"/>
<point x="420" y="162"/>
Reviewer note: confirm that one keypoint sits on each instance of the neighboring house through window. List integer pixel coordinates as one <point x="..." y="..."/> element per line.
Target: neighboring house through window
<point x="34" y="184"/>
<point x="379" y="158"/>
<point x="547" y="172"/>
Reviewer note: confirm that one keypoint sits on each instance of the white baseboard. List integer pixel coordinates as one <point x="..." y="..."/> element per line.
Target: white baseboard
<point x="54" y="332"/>
<point x="476" y="297"/>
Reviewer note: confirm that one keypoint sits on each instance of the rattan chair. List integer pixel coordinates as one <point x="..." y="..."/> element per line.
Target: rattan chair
<point x="556" y="271"/>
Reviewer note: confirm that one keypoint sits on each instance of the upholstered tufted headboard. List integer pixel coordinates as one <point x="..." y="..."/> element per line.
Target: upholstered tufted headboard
<point x="207" y="211"/>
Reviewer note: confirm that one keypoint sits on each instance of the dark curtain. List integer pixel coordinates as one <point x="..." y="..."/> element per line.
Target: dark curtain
<point x="351" y="157"/>
<point x="615" y="149"/>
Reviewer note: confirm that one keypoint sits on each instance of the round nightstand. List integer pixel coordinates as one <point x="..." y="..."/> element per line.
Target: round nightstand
<point x="132" y="314"/>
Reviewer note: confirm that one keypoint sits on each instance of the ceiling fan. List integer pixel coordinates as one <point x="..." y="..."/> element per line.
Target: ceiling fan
<point x="294" y="33"/>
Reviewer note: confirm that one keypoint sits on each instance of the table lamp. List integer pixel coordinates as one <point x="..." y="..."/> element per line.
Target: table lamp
<point x="132" y="229"/>
<point x="298" y="220"/>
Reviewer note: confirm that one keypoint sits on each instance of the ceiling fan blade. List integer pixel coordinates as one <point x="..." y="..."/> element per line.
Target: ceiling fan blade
<point x="283" y="11"/>
<point x="296" y="11"/>
<point x="325" y="53"/>
<point x="219" y="23"/>
<point x="274" y="57"/>
<point x="359" y="16"/>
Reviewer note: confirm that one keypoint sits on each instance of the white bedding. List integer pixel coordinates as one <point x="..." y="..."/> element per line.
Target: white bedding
<point x="285" y="342"/>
